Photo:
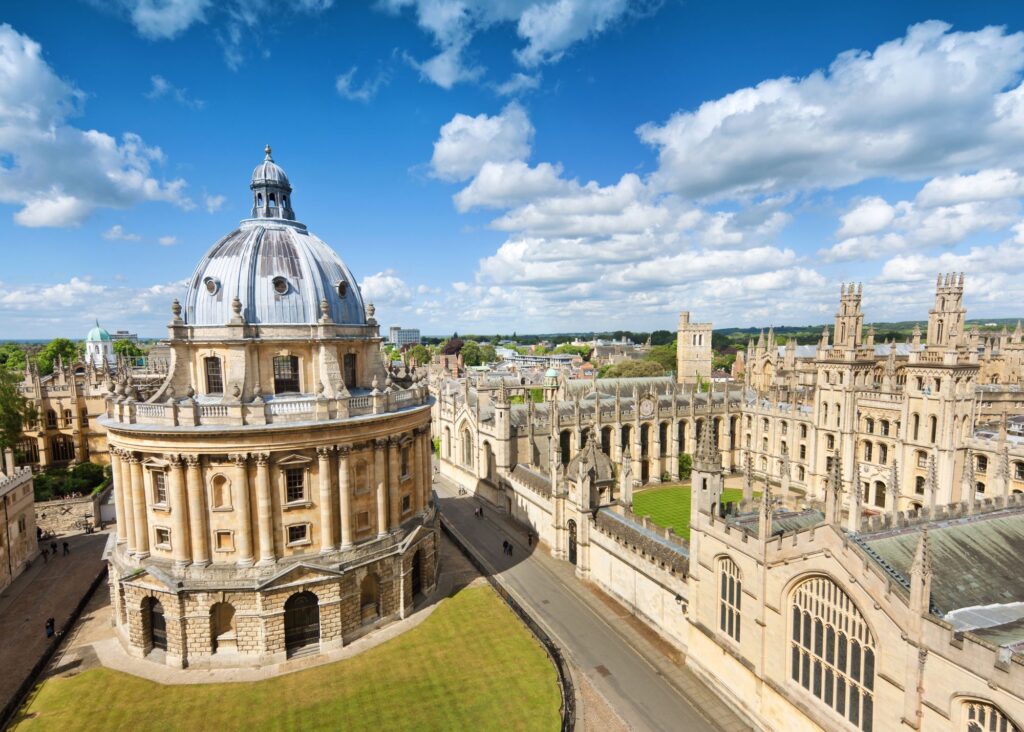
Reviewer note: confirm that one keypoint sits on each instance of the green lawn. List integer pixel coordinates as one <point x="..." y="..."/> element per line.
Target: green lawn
<point x="470" y="665"/>
<point x="671" y="506"/>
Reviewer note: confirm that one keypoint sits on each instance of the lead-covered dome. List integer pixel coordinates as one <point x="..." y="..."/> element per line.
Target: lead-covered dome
<point x="278" y="270"/>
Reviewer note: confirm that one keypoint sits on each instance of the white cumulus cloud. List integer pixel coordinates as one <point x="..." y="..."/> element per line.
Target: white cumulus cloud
<point x="466" y="143"/>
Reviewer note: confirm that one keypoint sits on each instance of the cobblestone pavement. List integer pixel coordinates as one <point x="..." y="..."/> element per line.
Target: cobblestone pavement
<point x="646" y="687"/>
<point x="46" y="589"/>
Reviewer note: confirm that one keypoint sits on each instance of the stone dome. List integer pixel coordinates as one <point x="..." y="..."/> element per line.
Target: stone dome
<point x="278" y="270"/>
<point x="98" y="334"/>
<point x="269" y="172"/>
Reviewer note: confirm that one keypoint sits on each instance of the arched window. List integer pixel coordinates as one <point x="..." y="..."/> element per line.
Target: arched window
<point x="729" y="598"/>
<point x="272" y="200"/>
<point x="447" y="443"/>
<point x="1018" y="471"/>
<point x="867" y="452"/>
<point x="800" y="473"/>
<point x="933" y="427"/>
<point x="915" y="422"/>
<point x="883" y="454"/>
<point x="220" y="493"/>
<point x="259" y="200"/>
<point x="214" y="375"/>
<point x="803" y="431"/>
<point x="467" y="448"/>
<point x="919" y="485"/>
<point x="880" y="494"/>
<point x="51" y="419"/>
<point x="979" y="716"/>
<point x="979" y="487"/>
<point x="66" y="418"/>
<point x="839" y="416"/>
<point x="286" y="374"/>
<point x="62" y="448"/>
<point x="869" y="424"/>
<point x="832" y="652"/>
<point x="982" y="465"/>
<point x="885" y="426"/>
<point x="222" y="626"/>
<point x="565" y="445"/>
<point x="830" y="442"/>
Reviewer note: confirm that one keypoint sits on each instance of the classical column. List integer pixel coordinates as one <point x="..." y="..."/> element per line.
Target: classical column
<point x="126" y="499"/>
<point x="345" y="496"/>
<point x="323" y="455"/>
<point x="197" y="512"/>
<point x="394" y="488"/>
<point x="265" y="509"/>
<point x="241" y="483"/>
<point x="180" y="544"/>
<point x="417" y="473"/>
<point x="428" y="467"/>
<point x="139" y="508"/>
<point x="115" y="475"/>
<point x="380" y="478"/>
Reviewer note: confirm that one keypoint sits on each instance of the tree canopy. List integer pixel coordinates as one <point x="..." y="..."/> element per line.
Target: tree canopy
<point x="12" y="357"/>
<point x="68" y="350"/>
<point x="126" y="348"/>
<point x="632" y="369"/>
<point x="664" y="355"/>
<point x="15" y="409"/>
<point x="419" y="353"/>
<point x="662" y="337"/>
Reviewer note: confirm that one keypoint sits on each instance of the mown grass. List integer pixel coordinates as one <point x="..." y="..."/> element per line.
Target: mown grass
<point x="671" y="506"/>
<point x="470" y="665"/>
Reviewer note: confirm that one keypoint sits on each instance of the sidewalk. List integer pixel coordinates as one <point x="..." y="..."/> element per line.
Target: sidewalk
<point x="46" y="589"/>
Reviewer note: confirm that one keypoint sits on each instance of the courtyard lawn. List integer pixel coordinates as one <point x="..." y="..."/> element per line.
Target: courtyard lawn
<point x="671" y="506"/>
<point x="470" y="665"/>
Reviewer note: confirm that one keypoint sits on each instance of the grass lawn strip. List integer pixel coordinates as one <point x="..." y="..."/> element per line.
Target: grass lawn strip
<point x="470" y="665"/>
<point x="671" y="506"/>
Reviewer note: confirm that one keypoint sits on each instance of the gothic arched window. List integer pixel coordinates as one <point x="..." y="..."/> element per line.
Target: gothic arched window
<point x="729" y="598"/>
<point x="832" y="652"/>
<point x="979" y="716"/>
<point x="467" y="448"/>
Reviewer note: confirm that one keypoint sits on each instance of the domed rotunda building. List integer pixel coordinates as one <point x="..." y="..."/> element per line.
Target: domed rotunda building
<point x="274" y="495"/>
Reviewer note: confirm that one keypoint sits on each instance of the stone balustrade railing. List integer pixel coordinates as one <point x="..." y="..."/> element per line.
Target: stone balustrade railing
<point x="188" y="412"/>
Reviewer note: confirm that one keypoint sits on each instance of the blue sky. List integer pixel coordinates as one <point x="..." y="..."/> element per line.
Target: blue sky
<point x="517" y="165"/>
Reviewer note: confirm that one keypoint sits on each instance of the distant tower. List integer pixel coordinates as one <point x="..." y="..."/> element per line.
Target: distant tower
<point x="693" y="351"/>
<point x="98" y="347"/>
<point x="849" y="318"/>
<point x="946" y="319"/>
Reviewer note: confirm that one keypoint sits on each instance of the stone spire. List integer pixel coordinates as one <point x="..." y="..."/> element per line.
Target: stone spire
<point x="893" y="489"/>
<point x="834" y="492"/>
<point x="748" y="478"/>
<point x="856" y="502"/>
<point x="626" y="479"/>
<point x="707" y="457"/>
<point x="766" y="514"/>
<point x="969" y="489"/>
<point x="931" y="484"/>
<point x="1003" y="470"/>
<point x="824" y="337"/>
<point x="916" y="337"/>
<point x="921" y="575"/>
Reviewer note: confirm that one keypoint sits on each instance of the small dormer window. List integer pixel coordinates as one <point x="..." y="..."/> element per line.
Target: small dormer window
<point x="212" y="285"/>
<point x="342" y="288"/>
<point x="280" y="285"/>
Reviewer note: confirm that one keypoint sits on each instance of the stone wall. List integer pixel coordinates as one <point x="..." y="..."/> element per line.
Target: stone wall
<point x="67" y="515"/>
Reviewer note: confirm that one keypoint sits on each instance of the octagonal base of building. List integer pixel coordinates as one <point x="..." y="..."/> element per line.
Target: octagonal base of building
<point x="222" y="617"/>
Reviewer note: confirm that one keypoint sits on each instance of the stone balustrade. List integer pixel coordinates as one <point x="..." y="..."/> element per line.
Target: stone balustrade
<point x="188" y="412"/>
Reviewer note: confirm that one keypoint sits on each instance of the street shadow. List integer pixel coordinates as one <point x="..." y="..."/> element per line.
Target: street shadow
<point x="493" y="535"/>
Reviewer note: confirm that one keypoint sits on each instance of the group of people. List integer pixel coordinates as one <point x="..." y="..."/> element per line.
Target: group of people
<point x="507" y="547"/>
<point x="53" y="550"/>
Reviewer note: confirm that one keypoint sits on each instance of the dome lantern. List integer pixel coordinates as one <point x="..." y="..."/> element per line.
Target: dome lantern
<point x="271" y="191"/>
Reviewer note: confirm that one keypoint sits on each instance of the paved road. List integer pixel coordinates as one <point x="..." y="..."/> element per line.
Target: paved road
<point x="635" y="683"/>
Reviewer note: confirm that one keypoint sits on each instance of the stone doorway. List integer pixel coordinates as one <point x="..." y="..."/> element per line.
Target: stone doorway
<point x="417" y="574"/>
<point x="301" y="622"/>
<point x="157" y="624"/>
<point x="222" y="627"/>
<point x="572" y="542"/>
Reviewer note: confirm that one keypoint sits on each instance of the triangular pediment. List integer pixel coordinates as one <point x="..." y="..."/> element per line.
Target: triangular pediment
<point x="295" y="459"/>
<point x="298" y="574"/>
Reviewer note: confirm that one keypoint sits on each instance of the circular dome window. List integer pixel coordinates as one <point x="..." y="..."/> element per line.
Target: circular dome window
<point x="280" y="285"/>
<point x="342" y="288"/>
<point x="212" y="285"/>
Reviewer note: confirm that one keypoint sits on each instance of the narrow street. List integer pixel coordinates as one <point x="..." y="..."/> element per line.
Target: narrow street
<point x="645" y="688"/>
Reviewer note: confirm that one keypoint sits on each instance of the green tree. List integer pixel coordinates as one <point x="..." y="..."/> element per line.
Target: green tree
<point x="47" y="356"/>
<point x="472" y="354"/>
<point x="419" y="353"/>
<point x="488" y="353"/>
<point x="662" y="337"/>
<point x="15" y="409"/>
<point x="583" y="351"/>
<point x="126" y="348"/>
<point x="12" y="356"/>
<point x="664" y="355"/>
<point x="633" y="369"/>
<point x="685" y="466"/>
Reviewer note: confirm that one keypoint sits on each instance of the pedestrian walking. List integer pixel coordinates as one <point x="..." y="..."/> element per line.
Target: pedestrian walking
<point x="50" y="627"/>
<point x="504" y="547"/>
<point x="45" y="554"/>
<point x="510" y="547"/>
<point x="67" y="548"/>
<point x="53" y="547"/>
<point x="529" y="538"/>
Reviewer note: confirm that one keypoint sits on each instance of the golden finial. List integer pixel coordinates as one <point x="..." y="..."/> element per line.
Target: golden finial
<point x="267" y="151"/>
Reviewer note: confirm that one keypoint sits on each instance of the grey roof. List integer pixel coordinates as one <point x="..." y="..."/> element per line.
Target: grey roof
<point x="245" y="263"/>
<point x="976" y="560"/>
<point x="269" y="172"/>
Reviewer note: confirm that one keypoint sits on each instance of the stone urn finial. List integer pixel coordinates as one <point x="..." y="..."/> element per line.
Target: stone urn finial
<point x="190" y="392"/>
<point x="236" y="391"/>
<point x="236" y="306"/>
<point x="176" y="309"/>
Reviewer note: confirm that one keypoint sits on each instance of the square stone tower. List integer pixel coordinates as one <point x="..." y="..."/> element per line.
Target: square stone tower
<point x="693" y="351"/>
